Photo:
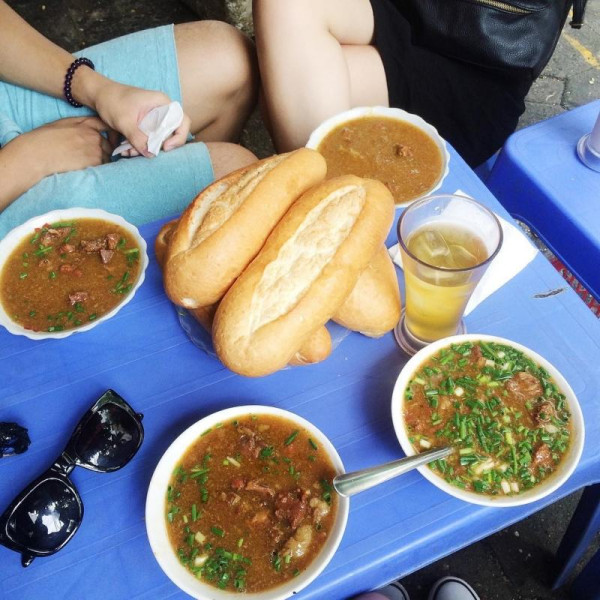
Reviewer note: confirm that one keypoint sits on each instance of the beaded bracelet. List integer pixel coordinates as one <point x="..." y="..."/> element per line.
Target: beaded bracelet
<point x="69" y="79"/>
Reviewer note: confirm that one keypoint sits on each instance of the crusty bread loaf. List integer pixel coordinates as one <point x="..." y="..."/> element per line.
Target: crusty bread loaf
<point x="223" y="229"/>
<point x="315" y="349"/>
<point x="308" y="266"/>
<point x="373" y="307"/>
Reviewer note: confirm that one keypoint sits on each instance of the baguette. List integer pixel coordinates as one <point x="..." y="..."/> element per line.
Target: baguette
<point x="373" y="307"/>
<point x="315" y="349"/>
<point x="306" y="269"/>
<point x="224" y="228"/>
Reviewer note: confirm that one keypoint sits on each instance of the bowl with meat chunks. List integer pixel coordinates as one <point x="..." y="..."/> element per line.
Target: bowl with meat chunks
<point x="68" y="270"/>
<point x="242" y="502"/>
<point x="514" y="421"/>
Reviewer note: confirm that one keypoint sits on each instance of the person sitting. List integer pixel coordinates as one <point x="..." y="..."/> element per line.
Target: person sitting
<point x="318" y="58"/>
<point x="56" y="153"/>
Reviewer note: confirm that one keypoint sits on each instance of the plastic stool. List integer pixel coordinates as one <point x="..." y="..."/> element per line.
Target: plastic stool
<point x="540" y="180"/>
<point x="584" y="524"/>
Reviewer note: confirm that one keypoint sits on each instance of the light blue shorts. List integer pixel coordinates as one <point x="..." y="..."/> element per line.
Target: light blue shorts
<point x="139" y="189"/>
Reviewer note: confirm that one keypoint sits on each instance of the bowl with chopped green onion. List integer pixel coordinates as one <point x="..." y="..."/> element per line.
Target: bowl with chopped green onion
<point x="67" y="271"/>
<point x="513" y="419"/>
<point x="242" y="503"/>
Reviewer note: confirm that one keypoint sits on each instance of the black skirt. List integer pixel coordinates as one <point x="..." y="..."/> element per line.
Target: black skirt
<point x="472" y="108"/>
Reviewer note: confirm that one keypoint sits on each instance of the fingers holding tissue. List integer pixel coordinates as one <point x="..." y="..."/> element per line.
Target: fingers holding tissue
<point x="166" y="124"/>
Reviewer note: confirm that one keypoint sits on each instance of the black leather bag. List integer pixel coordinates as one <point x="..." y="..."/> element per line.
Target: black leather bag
<point x="515" y="36"/>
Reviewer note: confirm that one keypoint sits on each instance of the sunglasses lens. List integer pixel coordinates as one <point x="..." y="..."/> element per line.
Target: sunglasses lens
<point x="46" y="518"/>
<point x="109" y="438"/>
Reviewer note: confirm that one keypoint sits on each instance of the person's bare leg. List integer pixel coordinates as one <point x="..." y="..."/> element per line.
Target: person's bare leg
<point x="219" y="78"/>
<point x="315" y="60"/>
<point x="227" y="157"/>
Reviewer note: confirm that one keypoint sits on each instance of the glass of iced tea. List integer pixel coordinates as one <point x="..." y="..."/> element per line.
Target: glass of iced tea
<point x="447" y="242"/>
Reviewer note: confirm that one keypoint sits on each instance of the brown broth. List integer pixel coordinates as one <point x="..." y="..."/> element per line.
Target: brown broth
<point x="504" y="414"/>
<point x="54" y="280"/>
<point x="244" y="497"/>
<point x="395" y="152"/>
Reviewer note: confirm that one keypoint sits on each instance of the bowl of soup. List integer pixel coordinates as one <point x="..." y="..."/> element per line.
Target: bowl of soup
<point x="68" y="270"/>
<point x="514" y="421"/>
<point x="389" y="144"/>
<point x="242" y="503"/>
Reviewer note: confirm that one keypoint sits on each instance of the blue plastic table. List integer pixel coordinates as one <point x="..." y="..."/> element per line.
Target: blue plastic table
<point x="540" y="180"/>
<point x="144" y="355"/>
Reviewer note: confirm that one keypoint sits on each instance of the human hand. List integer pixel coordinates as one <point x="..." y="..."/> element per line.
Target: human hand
<point x="123" y="107"/>
<point x="65" y="145"/>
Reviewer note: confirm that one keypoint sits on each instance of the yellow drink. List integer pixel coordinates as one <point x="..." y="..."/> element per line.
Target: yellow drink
<point x="438" y="291"/>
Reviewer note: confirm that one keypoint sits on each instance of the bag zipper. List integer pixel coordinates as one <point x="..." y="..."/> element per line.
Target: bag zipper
<point x="504" y="6"/>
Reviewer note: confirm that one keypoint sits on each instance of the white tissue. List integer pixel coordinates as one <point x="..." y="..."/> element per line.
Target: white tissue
<point x="159" y="124"/>
<point x="514" y="255"/>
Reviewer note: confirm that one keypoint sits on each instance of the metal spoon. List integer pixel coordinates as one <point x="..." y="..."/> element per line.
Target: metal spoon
<point x="349" y="484"/>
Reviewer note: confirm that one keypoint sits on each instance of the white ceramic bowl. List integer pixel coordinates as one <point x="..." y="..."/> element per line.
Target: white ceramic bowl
<point x="156" y="510"/>
<point x="14" y="237"/>
<point x="317" y="136"/>
<point x="566" y="467"/>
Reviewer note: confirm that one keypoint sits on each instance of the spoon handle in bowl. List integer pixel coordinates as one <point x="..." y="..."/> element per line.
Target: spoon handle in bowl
<point x="352" y="483"/>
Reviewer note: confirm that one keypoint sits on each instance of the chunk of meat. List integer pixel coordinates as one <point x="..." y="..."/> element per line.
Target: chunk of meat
<point x="544" y="412"/>
<point x="112" y="239"/>
<point x="542" y="457"/>
<point x="250" y="442"/>
<point x="51" y="236"/>
<point x="66" y="268"/>
<point x="76" y="297"/>
<point x="402" y="150"/>
<point x="292" y="506"/>
<point x="524" y="386"/>
<point x="298" y="544"/>
<point x="477" y="356"/>
<point x="260" y="488"/>
<point x="106" y="255"/>
<point x="91" y="246"/>
<point x="67" y="249"/>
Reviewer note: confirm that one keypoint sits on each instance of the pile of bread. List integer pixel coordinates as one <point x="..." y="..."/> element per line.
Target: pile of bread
<point x="266" y="256"/>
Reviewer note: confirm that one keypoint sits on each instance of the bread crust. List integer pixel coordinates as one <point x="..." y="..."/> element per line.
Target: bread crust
<point x="373" y="307"/>
<point x="314" y="350"/>
<point x="226" y="225"/>
<point x="331" y="233"/>
<point x="161" y="243"/>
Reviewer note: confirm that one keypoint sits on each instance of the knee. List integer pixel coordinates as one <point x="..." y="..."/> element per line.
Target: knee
<point x="227" y="157"/>
<point x="271" y="17"/>
<point x="236" y="57"/>
<point x="228" y="57"/>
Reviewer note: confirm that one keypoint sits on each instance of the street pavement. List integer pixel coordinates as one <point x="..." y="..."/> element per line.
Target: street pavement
<point x="516" y="563"/>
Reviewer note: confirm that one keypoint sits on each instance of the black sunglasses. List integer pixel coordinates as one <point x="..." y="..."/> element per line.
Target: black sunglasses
<point x="48" y="512"/>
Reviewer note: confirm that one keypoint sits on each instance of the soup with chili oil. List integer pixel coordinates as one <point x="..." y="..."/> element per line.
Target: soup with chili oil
<point x="66" y="274"/>
<point x="250" y="504"/>
<point x="504" y="414"/>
